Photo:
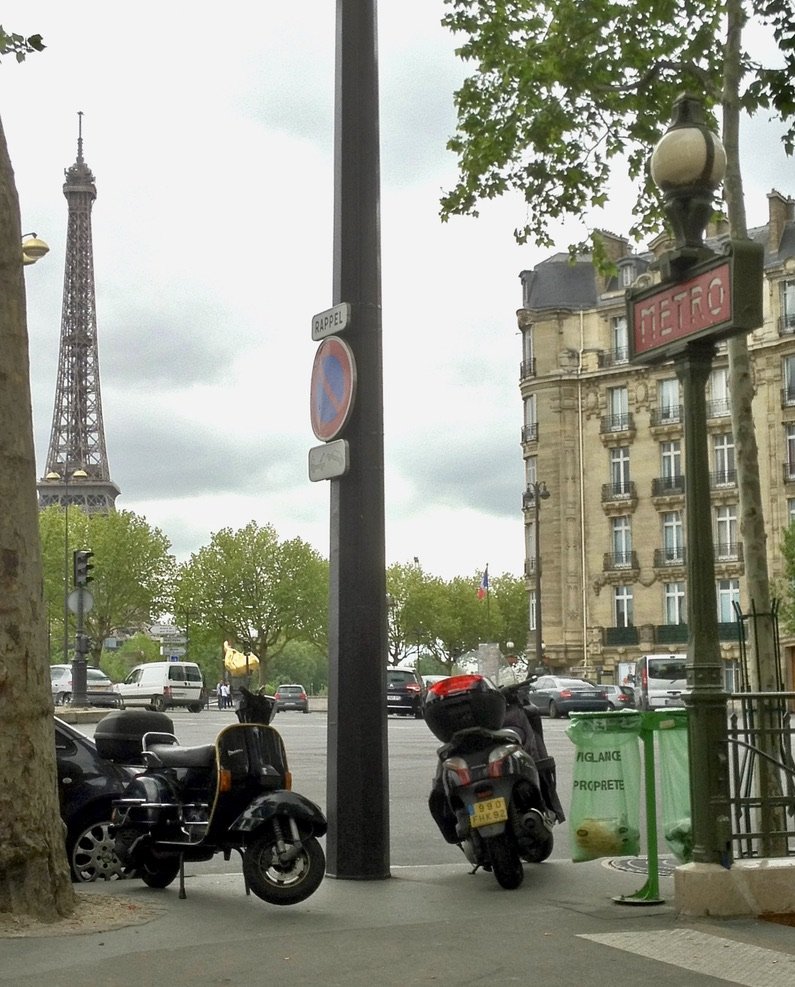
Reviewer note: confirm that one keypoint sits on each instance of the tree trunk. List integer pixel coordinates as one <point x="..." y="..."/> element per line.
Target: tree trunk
<point x="34" y="877"/>
<point x="764" y="672"/>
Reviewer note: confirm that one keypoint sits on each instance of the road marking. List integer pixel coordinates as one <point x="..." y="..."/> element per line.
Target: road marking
<point x="725" y="959"/>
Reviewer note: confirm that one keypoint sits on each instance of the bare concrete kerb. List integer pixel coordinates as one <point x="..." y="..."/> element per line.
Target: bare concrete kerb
<point x="749" y="888"/>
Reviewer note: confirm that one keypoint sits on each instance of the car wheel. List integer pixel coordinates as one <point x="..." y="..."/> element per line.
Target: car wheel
<point x="554" y="712"/>
<point x="195" y="708"/>
<point x="612" y="706"/>
<point x="90" y="849"/>
<point x="158" y="704"/>
<point x="63" y="698"/>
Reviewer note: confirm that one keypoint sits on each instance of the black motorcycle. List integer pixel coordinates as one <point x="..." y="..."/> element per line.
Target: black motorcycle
<point x="494" y="793"/>
<point x="190" y="803"/>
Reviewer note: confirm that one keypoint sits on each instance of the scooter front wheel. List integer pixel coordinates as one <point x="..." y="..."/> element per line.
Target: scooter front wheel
<point x="158" y="872"/>
<point x="283" y="884"/>
<point x="505" y="861"/>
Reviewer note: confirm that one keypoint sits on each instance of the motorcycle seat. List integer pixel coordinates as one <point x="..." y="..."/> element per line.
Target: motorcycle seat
<point x="174" y="756"/>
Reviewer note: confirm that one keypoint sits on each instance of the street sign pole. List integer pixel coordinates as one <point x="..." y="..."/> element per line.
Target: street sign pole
<point x="357" y="846"/>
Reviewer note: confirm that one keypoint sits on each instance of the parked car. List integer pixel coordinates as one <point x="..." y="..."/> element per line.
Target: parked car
<point x="99" y="688"/>
<point x="291" y="697"/>
<point x="87" y="786"/>
<point x="404" y="692"/>
<point x="620" y="696"/>
<point x="558" y="696"/>
<point x="162" y="685"/>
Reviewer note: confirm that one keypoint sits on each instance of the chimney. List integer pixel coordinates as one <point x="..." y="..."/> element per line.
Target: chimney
<point x="781" y="210"/>
<point x="615" y="247"/>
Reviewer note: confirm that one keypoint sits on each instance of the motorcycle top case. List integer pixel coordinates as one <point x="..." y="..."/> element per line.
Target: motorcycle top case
<point x="119" y="735"/>
<point x="463" y="701"/>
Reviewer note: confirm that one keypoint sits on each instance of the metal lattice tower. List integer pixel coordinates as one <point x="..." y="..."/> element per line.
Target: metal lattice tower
<point x="77" y="464"/>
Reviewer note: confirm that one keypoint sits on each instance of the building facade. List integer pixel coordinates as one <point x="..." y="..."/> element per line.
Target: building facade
<point x="606" y="438"/>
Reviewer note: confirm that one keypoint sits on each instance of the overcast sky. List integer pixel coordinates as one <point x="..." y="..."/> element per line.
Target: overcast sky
<point x="209" y="133"/>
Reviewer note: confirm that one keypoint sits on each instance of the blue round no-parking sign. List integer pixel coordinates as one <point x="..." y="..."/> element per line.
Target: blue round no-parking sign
<point x="333" y="387"/>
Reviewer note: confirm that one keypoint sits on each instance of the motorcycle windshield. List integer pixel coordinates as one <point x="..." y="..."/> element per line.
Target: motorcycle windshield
<point x="253" y="754"/>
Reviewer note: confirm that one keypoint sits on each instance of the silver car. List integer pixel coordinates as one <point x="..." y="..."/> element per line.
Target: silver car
<point x="99" y="687"/>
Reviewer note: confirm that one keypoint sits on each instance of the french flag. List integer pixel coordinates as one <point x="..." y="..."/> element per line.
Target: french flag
<point x="483" y="589"/>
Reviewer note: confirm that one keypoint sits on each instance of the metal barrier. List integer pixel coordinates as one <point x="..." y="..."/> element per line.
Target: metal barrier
<point x="762" y="774"/>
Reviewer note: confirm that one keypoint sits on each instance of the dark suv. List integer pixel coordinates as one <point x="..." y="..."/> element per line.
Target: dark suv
<point x="291" y="697"/>
<point x="404" y="692"/>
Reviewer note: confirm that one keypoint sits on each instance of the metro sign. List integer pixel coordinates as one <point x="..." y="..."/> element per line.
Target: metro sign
<point x="721" y="297"/>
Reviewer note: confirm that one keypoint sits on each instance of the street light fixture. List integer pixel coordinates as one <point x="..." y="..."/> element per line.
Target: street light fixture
<point x="536" y="492"/>
<point x="33" y="248"/>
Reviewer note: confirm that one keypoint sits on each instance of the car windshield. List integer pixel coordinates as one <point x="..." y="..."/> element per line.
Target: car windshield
<point x="399" y="678"/>
<point x="290" y="688"/>
<point x="664" y="668"/>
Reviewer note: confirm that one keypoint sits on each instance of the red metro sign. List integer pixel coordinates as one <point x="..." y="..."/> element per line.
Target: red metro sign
<point x="721" y="297"/>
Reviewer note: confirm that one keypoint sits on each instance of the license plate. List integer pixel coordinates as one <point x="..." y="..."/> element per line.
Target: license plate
<point x="487" y="812"/>
<point x="393" y="699"/>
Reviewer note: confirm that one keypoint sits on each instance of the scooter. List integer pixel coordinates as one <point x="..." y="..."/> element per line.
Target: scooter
<point x="190" y="803"/>
<point x="494" y="793"/>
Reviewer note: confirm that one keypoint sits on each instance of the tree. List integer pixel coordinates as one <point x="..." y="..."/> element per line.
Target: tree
<point x="510" y="594"/>
<point x="133" y="572"/>
<point x="553" y="119"/>
<point x="256" y="592"/>
<point x="34" y="877"/>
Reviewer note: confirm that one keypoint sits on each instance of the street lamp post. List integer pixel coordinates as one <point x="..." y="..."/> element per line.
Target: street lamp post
<point x="688" y="164"/>
<point x="537" y="491"/>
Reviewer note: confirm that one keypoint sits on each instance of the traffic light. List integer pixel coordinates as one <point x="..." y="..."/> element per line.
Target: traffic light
<point x="82" y="567"/>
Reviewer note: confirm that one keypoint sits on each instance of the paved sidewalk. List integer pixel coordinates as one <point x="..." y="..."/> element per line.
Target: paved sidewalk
<point x="424" y="925"/>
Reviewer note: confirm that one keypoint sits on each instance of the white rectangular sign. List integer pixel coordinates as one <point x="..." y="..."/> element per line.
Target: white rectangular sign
<point x="332" y="321"/>
<point x="329" y="460"/>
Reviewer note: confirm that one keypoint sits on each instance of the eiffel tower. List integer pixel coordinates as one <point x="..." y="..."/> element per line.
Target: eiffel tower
<point x="77" y="464"/>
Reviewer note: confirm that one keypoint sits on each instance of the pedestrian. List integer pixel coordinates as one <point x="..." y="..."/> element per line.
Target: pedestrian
<point x="219" y="694"/>
<point x="226" y="696"/>
<point x="508" y="674"/>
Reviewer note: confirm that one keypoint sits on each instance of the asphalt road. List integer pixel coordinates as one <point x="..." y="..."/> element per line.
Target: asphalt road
<point x="414" y="838"/>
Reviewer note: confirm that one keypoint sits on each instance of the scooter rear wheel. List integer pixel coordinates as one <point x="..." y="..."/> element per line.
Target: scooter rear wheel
<point x="280" y="884"/>
<point x="158" y="872"/>
<point x="505" y="861"/>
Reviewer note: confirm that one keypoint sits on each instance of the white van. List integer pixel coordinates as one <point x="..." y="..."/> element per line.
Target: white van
<point x="161" y="685"/>
<point x="660" y="680"/>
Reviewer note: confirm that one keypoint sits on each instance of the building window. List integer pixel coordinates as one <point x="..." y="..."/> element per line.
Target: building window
<point x="532" y="609"/>
<point x="531" y="470"/>
<point x="622" y="541"/>
<point x="530" y="430"/>
<point x="723" y="455"/>
<point x="791" y="509"/>
<point x="619" y="470"/>
<point x="790" y="464"/>
<point x="618" y="409"/>
<point x="674" y="603"/>
<point x="728" y="595"/>
<point x="718" y="393"/>
<point x="788" y="375"/>
<point x="668" y="396"/>
<point x="527" y="343"/>
<point x="726" y="532"/>
<point x="623" y="606"/>
<point x="670" y="463"/>
<point x="788" y="305"/>
<point x="673" y="541"/>
<point x="620" y="339"/>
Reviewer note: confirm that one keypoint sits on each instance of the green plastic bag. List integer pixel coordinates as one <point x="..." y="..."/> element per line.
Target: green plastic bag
<point x="604" y="819"/>
<point x="675" y="784"/>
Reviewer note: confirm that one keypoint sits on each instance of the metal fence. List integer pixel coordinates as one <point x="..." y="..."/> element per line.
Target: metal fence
<point x="762" y="774"/>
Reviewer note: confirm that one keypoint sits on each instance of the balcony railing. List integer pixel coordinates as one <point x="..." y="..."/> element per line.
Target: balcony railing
<point x="789" y="472"/>
<point x="621" y="490"/>
<point x="723" y="478"/>
<point x="670" y="557"/>
<point x="786" y="324"/>
<point x="620" y="560"/>
<point x="670" y="414"/>
<point x="728" y="551"/>
<point x="527" y="368"/>
<point x="667" y="486"/>
<point x="612" y="357"/>
<point x="616" y="636"/>
<point x="618" y="423"/>
<point x="718" y="408"/>
<point x="671" y="633"/>
<point x="787" y="396"/>
<point x="530" y="567"/>
<point x="530" y="433"/>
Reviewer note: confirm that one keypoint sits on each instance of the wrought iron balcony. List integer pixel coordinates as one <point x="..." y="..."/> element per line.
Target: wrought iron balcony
<point x="786" y="324"/>
<point x="671" y="633"/>
<point x="787" y="396"/>
<point x="527" y="368"/>
<point x="610" y="358"/>
<point x="620" y="490"/>
<point x="620" y="560"/>
<point x="789" y="472"/>
<point x="615" y="636"/>
<point x="718" y="408"/>
<point x="618" y="423"/>
<point x="673" y="557"/>
<point x="530" y="433"/>
<point x="668" y="486"/>
<point x="723" y="478"/>
<point x="728" y="551"/>
<point x="671" y="414"/>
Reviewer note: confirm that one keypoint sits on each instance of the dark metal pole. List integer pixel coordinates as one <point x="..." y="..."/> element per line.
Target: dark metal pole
<point x="357" y="845"/>
<point x="539" y="633"/>
<point x="708" y="748"/>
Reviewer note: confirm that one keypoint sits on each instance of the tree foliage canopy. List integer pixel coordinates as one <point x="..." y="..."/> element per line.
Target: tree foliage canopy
<point x="561" y="90"/>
